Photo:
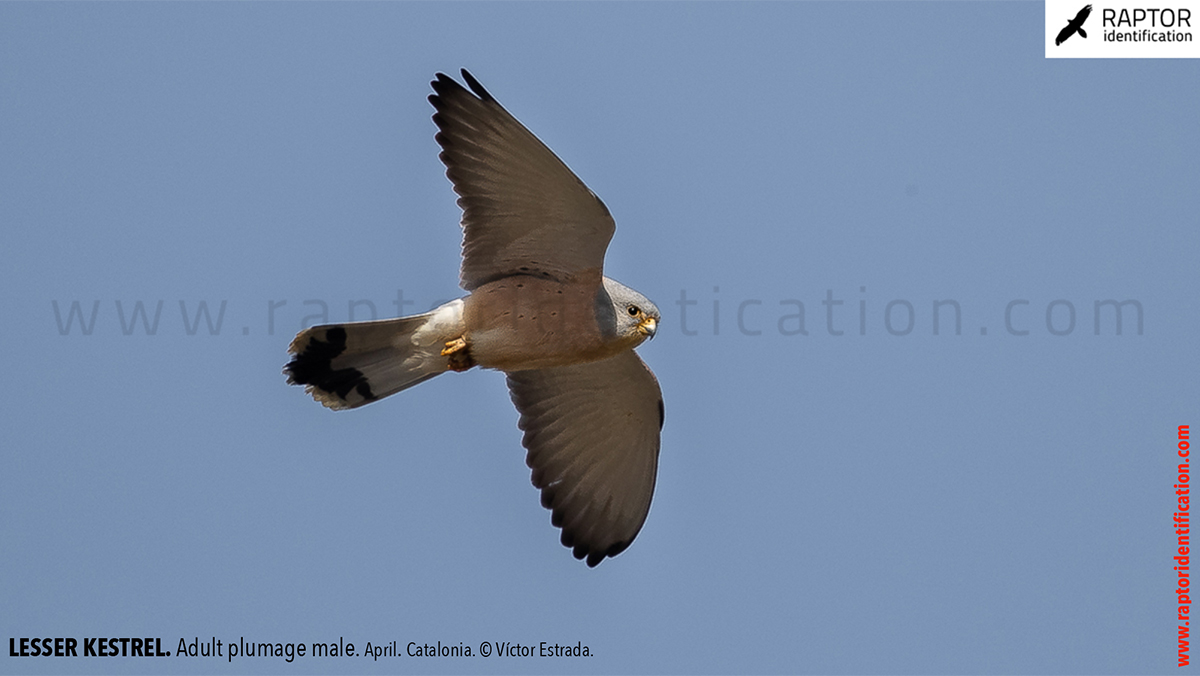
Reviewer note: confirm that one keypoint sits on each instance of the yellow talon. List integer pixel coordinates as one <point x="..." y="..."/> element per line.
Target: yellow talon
<point x="459" y="354"/>
<point x="452" y="346"/>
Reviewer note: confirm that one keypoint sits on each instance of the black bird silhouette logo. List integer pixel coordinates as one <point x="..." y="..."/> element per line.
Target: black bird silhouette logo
<point x="1074" y="26"/>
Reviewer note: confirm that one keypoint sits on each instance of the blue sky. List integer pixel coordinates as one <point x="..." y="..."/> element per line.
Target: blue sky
<point x="886" y="500"/>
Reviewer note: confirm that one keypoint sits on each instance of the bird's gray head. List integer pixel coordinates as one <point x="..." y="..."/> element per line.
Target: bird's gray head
<point x="635" y="315"/>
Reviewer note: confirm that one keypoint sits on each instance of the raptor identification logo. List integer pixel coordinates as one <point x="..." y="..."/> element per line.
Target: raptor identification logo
<point x="1122" y="29"/>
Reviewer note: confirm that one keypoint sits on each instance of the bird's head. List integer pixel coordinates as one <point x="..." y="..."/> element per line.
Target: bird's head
<point x="636" y="316"/>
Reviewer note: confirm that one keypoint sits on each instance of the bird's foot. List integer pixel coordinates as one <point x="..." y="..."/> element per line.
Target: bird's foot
<point x="459" y="353"/>
<point x="452" y="346"/>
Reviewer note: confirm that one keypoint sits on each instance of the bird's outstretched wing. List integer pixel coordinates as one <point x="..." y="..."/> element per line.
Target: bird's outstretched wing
<point x="592" y="432"/>
<point x="1064" y="34"/>
<point x="524" y="211"/>
<point x="1080" y="18"/>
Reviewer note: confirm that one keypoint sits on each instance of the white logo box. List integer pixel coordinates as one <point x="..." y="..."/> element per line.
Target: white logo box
<point x="1123" y="29"/>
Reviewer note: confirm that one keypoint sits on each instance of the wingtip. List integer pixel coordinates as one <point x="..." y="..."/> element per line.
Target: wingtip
<point x="475" y="86"/>
<point x="595" y="557"/>
<point x="590" y="554"/>
<point x="443" y="85"/>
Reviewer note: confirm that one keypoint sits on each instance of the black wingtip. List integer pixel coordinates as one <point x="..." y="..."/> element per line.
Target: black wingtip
<point x="593" y="557"/>
<point x="476" y="87"/>
<point x="444" y="86"/>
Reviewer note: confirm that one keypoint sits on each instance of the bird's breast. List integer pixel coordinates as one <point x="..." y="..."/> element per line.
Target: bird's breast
<point x="523" y="322"/>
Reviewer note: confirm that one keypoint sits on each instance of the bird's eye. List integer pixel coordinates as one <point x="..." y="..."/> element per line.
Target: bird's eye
<point x="634" y="311"/>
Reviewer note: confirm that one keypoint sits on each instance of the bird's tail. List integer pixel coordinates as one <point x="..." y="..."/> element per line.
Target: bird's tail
<point x="349" y="365"/>
<point x="1082" y="33"/>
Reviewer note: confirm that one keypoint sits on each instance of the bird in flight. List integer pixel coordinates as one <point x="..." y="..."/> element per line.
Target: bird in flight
<point x="1074" y="26"/>
<point x="538" y="308"/>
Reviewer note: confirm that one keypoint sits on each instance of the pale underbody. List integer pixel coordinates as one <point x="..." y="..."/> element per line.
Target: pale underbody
<point x="525" y="322"/>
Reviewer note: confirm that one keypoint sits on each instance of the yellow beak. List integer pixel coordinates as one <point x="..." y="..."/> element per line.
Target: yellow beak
<point x="648" y="326"/>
